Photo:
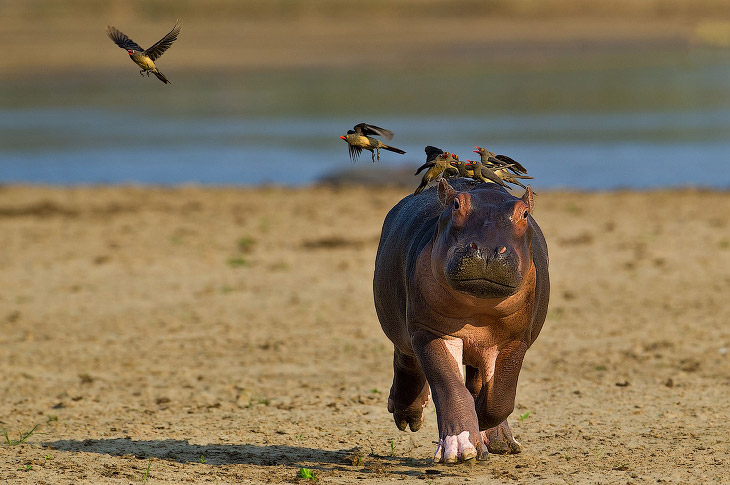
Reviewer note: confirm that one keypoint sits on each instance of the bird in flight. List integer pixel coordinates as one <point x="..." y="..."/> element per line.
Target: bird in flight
<point x="360" y="138"/>
<point x="145" y="58"/>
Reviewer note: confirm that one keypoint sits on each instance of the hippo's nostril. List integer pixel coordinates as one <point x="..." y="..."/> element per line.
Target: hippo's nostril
<point x="473" y="245"/>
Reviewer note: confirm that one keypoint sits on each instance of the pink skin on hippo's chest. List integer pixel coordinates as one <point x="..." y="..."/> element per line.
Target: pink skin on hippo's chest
<point x="484" y="325"/>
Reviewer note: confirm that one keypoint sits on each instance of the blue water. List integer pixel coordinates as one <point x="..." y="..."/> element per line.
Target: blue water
<point x="596" y="151"/>
<point x="641" y="125"/>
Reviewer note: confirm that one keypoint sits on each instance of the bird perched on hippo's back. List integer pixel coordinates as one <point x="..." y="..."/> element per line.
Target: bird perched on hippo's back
<point x="463" y="169"/>
<point x="484" y="174"/>
<point x="505" y="167"/>
<point x="438" y="162"/>
<point x="361" y="138"/>
<point x="145" y="58"/>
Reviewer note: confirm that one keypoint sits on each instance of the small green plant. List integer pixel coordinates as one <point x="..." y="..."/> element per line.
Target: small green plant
<point x="202" y="459"/>
<point x="524" y="416"/>
<point x="392" y="447"/>
<point x="52" y="417"/>
<point x="572" y="208"/>
<point x="299" y="437"/>
<point x="26" y="468"/>
<point x="264" y="400"/>
<point x="147" y="472"/>
<point x="306" y="474"/>
<point x="567" y="458"/>
<point x="48" y="457"/>
<point x="374" y="391"/>
<point x="237" y="262"/>
<point x="22" y="438"/>
<point x="246" y="244"/>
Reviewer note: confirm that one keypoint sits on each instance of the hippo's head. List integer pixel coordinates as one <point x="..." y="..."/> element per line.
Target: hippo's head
<point x="482" y="246"/>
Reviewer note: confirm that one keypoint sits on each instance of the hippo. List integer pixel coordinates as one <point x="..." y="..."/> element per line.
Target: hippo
<point x="461" y="280"/>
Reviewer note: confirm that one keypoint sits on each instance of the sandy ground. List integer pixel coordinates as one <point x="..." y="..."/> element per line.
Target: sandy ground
<point x="228" y="335"/>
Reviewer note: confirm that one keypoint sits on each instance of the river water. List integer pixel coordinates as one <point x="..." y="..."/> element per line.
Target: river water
<point x="642" y="121"/>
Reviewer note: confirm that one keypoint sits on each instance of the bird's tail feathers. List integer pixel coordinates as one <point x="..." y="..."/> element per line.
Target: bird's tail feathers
<point x="420" y="188"/>
<point x="161" y="77"/>
<point x="393" y="149"/>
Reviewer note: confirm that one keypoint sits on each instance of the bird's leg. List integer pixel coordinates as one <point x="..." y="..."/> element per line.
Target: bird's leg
<point x="378" y="149"/>
<point x="372" y="154"/>
<point x="148" y="74"/>
<point x="141" y="72"/>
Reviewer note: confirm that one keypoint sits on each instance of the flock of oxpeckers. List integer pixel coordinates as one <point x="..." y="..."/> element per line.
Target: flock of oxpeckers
<point x="491" y="168"/>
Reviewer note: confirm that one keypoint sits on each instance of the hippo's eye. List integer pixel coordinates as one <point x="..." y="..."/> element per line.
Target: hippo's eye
<point x="525" y="214"/>
<point x="456" y="204"/>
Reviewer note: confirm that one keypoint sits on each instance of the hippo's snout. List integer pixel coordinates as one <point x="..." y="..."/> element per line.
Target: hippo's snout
<point x="491" y="272"/>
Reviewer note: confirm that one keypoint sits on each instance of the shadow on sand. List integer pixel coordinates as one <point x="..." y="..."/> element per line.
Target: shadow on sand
<point x="222" y="454"/>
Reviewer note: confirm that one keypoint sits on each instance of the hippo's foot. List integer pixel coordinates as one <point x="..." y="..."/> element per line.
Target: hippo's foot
<point x="409" y="393"/>
<point x="411" y="415"/>
<point x="458" y="448"/>
<point x="499" y="440"/>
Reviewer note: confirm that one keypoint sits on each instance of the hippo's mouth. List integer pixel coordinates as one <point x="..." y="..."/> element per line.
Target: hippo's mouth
<point x="483" y="287"/>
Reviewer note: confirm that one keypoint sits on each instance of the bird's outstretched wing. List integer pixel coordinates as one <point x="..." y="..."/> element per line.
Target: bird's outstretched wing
<point x="354" y="152"/>
<point x="367" y="130"/>
<point x="122" y="40"/>
<point x="163" y="44"/>
<point x="432" y="152"/>
<point x="514" y="163"/>
<point x="424" y="166"/>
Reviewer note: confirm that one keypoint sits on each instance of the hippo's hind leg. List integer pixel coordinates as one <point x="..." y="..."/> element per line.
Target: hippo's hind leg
<point x="499" y="439"/>
<point x="409" y="393"/>
<point x="495" y="400"/>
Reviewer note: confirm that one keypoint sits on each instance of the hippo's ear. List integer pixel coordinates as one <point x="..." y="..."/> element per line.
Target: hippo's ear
<point x="446" y="192"/>
<point x="529" y="199"/>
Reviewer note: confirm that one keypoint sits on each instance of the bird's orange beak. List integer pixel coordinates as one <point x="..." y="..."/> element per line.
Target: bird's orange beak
<point x="475" y="151"/>
<point x="343" y="137"/>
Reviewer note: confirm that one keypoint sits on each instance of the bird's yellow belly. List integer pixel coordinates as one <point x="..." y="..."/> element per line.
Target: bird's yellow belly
<point x="364" y="142"/>
<point x="145" y="63"/>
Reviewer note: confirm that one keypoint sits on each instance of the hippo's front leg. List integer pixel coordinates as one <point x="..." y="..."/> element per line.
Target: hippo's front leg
<point x="459" y="437"/>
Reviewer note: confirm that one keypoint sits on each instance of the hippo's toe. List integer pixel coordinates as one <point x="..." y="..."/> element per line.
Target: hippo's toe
<point x="456" y="448"/>
<point x="499" y="440"/>
<point x="410" y="417"/>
